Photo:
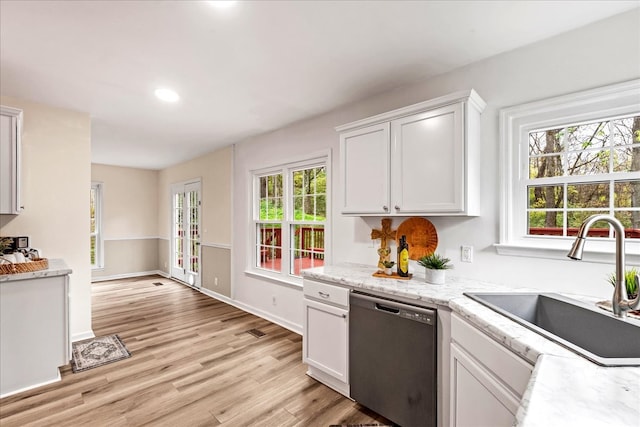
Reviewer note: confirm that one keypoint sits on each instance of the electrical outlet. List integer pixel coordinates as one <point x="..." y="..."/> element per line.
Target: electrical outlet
<point x="215" y="281"/>
<point x="165" y="265"/>
<point x="273" y="300"/>
<point x="466" y="253"/>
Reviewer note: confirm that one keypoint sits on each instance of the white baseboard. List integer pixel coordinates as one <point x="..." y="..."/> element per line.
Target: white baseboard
<point x="129" y="275"/>
<point x="250" y="309"/>
<point x="82" y="336"/>
<point x="16" y="391"/>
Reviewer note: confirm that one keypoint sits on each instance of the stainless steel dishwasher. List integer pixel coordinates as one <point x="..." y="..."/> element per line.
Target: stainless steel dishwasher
<point x="392" y="359"/>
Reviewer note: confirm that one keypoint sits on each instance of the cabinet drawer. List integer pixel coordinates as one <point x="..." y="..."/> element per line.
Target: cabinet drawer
<point x="505" y="365"/>
<point x="326" y="293"/>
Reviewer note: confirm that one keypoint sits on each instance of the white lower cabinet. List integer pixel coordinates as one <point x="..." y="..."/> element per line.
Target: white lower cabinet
<point x="487" y="380"/>
<point x="34" y="332"/>
<point x="325" y="341"/>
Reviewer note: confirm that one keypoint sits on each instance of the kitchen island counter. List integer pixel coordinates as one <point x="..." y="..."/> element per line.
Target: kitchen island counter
<point x="564" y="389"/>
<point x="34" y="327"/>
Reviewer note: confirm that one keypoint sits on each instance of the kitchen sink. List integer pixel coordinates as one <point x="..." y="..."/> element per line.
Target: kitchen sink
<point x="586" y="330"/>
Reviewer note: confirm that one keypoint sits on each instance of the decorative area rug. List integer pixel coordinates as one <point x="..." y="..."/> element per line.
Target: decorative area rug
<point x="98" y="351"/>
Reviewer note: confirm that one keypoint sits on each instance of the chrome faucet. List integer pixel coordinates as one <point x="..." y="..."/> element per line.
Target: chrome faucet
<point x="620" y="302"/>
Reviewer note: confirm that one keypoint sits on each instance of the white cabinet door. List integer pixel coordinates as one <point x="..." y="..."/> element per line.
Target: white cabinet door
<point x="427" y="152"/>
<point x="364" y="166"/>
<point x="10" y="128"/>
<point x="423" y="159"/>
<point x="477" y="399"/>
<point x="325" y="339"/>
<point x="487" y="379"/>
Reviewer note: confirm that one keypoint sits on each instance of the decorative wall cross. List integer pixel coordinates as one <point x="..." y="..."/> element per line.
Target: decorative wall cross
<point x="383" y="234"/>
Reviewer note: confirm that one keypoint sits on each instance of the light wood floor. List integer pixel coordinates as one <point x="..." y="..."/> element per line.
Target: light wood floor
<point x="192" y="364"/>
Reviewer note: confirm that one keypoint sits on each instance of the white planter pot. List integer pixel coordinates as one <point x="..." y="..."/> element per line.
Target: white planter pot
<point x="435" y="277"/>
<point x="388" y="271"/>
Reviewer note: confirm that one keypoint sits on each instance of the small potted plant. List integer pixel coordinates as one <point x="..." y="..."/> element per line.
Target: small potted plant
<point x="388" y="267"/>
<point x="630" y="282"/>
<point x="435" y="266"/>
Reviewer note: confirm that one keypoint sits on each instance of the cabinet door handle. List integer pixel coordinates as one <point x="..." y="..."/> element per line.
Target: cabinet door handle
<point x="324" y="294"/>
<point x="385" y="207"/>
<point x="397" y="207"/>
<point x="344" y="316"/>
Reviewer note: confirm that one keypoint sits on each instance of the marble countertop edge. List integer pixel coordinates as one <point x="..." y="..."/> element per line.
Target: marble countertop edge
<point x="57" y="267"/>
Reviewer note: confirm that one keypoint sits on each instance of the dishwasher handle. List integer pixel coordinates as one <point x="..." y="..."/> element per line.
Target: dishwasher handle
<point x="394" y="308"/>
<point x="382" y="307"/>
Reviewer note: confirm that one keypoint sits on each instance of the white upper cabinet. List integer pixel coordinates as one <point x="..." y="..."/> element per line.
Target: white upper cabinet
<point x="364" y="155"/>
<point x="421" y="159"/>
<point x="10" y="132"/>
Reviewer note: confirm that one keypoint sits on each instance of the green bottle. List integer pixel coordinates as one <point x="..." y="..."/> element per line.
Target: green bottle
<point x="403" y="257"/>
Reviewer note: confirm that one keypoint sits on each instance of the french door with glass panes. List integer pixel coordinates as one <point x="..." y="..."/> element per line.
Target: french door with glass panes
<point x="185" y="237"/>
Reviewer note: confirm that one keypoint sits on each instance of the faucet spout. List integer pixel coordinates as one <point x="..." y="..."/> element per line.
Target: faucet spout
<point x="620" y="301"/>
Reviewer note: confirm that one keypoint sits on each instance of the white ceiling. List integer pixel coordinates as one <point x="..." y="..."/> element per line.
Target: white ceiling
<point x="248" y="69"/>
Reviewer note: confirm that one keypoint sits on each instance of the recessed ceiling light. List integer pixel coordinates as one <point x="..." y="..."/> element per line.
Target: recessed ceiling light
<point x="166" y="95"/>
<point x="223" y="4"/>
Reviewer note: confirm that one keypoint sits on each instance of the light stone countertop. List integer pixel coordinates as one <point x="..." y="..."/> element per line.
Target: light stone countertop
<point x="57" y="267"/>
<point x="564" y="389"/>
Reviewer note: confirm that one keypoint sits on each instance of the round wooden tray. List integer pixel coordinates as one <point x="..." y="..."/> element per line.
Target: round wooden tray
<point x="421" y="237"/>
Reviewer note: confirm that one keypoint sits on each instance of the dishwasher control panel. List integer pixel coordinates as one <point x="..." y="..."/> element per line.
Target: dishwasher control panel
<point x="418" y="317"/>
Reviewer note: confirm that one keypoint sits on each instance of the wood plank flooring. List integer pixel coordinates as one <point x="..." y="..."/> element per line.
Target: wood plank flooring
<point x="192" y="364"/>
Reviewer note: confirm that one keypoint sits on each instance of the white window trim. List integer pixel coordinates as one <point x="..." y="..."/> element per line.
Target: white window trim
<point x="284" y="277"/>
<point x="515" y="123"/>
<point x="99" y="190"/>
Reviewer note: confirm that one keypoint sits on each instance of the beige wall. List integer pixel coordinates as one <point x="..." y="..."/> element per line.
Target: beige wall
<point x="130" y="201"/>
<point x="56" y="178"/>
<point x="216" y="270"/>
<point x="214" y="170"/>
<point x="128" y="257"/>
<point x="129" y="220"/>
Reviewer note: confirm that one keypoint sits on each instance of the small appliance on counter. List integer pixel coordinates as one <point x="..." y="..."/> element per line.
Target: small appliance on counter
<point x="19" y="248"/>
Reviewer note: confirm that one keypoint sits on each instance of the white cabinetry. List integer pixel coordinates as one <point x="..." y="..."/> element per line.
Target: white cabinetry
<point x="421" y="159"/>
<point x="487" y="380"/>
<point x="10" y="132"/>
<point x="34" y="331"/>
<point x="325" y="342"/>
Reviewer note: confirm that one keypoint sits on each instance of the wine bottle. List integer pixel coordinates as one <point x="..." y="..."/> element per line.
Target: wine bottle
<point x="403" y="257"/>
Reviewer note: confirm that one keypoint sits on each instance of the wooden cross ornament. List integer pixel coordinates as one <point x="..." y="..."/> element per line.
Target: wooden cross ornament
<point x="383" y="234"/>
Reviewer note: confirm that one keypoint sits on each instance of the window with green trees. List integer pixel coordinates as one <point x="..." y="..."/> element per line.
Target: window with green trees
<point x="290" y="211"/>
<point x="582" y="169"/>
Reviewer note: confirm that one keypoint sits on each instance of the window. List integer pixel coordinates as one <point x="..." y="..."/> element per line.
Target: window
<point x="580" y="170"/>
<point x="565" y="159"/>
<point x="96" y="247"/>
<point x="290" y="218"/>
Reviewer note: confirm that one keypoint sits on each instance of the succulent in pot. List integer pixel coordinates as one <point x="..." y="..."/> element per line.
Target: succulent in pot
<point x="435" y="266"/>
<point x="388" y="265"/>
<point x="630" y="281"/>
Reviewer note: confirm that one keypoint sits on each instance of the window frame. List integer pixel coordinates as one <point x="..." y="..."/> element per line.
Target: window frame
<point x="98" y="188"/>
<point x="516" y="122"/>
<point x="322" y="159"/>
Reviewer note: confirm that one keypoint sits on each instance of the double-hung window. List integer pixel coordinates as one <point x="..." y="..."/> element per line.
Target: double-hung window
<point x="290" y="218"/>
<point x="565" y="159"/>
<point x="96" y="245"/>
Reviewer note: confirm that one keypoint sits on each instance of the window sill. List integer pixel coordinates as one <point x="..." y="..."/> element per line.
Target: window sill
<point x="595" y="251"/>
<point x="292" y="282"/>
